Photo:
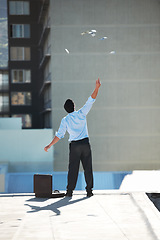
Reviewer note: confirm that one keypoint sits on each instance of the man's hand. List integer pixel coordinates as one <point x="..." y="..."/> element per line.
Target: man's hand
<point x="55" y="140"/>
<point x="46" y="148"/>
<point x="95" y="92"/>
<point x="98" y="83"/>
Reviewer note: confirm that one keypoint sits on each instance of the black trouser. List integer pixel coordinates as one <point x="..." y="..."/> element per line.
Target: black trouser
<point x="80" y="151"/>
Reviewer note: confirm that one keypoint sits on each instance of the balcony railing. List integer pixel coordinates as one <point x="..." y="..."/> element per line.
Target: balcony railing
<point x="45" y="57"/>
<point x="47" y="81"/>
<point x="45" y="32"/>
<point x="44" y="8"/>
<point x="47" y="104"/>
<point x="47" y="107"/>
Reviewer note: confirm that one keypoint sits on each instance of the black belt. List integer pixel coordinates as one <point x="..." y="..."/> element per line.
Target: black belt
<point x="84" y="140"/>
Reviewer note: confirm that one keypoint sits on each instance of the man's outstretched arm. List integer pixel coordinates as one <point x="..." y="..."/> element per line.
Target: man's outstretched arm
<point x="60" y="134"/>
<point x="54" y="141"/>
<point x="95" y="92"/>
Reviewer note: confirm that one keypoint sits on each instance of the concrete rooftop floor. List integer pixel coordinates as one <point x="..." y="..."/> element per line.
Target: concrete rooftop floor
<point x="108" y="215"/>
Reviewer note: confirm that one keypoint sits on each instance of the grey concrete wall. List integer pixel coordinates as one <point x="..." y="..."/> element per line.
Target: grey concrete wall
<point x="124" y="123"/>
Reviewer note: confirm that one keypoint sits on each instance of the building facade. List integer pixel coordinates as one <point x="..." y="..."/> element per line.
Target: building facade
<point x="27" y="78"/>
<point x="124" y="121"/>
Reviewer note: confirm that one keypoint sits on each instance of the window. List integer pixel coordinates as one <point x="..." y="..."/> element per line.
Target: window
<point x="21" y="98"/>
<point x="4" y="82"/>
<point x="20" y="53"/>
<point x="26" y="120"/>
<point x="20" y="76"/>
<point x="20" y="31"/>
<point x="4" y="102"/>
<point x="19" y="8"/>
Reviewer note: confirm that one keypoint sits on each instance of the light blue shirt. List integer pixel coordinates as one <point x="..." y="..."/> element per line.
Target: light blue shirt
<point x="75" y="123"/>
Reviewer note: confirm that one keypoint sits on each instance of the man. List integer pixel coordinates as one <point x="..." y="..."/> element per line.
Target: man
<point x="79" y="148"/>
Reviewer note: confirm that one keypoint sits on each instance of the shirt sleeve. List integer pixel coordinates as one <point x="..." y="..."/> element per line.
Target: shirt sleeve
<point x="87" y="107"/>
<point x="62" y="129"/>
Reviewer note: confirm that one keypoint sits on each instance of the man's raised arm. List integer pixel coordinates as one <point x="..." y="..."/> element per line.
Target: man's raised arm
<point x="95" y="92"/>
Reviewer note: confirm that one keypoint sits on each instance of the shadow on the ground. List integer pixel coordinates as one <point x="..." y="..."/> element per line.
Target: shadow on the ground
<point x="54" y="207"/>
<point x="15" y="194"/>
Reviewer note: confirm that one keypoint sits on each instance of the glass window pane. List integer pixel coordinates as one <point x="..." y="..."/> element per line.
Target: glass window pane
<point x="26" y="8"/>
<point x="13" y="53"/>
<point x="12" y="7"/>
<point x="20" y="31"/>
<point x="27" y="53"/>
<point x="19" y="8"/>
<point x="5" y="99"/>
<point x="21" y="98"/>
<point x="14" y="76"/>
<point x="4" y="102"/>
<point x="16" y="31"/>
<point x="20" y="76"/>
<point x="5" y="77"/>
<point x="4" y="82"/>
<point x="13" y="27"/>
<point x="26" y="31"/>
<point x="14" y="99"/>
<point x="27" y="76"/>
<point x="20" y="53"/>
<point x="28" y="98"/>
<point x="17" y="98"/>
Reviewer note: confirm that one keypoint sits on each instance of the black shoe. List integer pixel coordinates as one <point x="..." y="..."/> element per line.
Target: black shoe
<point x="89" y="194"/>
<point x="68" y="193"/>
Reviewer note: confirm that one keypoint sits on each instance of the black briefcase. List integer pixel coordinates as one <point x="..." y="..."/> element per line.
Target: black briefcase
<point x="43" y="187"/>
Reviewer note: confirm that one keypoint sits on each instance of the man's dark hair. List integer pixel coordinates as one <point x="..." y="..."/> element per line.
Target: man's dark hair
<point x="69" y="106"/>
